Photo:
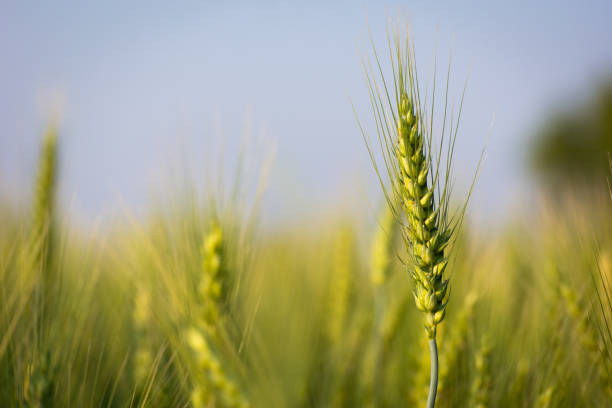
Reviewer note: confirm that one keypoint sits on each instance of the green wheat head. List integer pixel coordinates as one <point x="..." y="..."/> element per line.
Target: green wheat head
<point x="44" y="194"/>
<point x="419" y="178"/>
<point x="213" y="290"/>
<point x="211" y="384"/>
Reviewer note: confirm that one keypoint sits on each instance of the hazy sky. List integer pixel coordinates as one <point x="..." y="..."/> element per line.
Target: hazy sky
<point x="144" y="86"/>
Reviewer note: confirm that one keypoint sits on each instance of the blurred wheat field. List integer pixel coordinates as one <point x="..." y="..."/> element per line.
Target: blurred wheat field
<point x="200" y="305"/>
<point x="195" y="306"/>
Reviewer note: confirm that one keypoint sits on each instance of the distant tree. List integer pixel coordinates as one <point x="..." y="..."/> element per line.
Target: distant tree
<point x="573" y="146"/>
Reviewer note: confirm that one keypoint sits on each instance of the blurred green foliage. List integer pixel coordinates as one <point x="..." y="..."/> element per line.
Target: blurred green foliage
<point x="573" y="146"/>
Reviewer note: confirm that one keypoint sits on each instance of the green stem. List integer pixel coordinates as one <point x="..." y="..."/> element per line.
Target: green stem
<point x="433" y="379"/>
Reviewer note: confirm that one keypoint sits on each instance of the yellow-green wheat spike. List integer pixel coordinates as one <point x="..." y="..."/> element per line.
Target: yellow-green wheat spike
<point x="428" y="236"/>
<point x="214" y="388"/>
<point x="211" y="286"/>
<point x="44" y="189"/>
<point x="38" y="382"/>
<point x="419" y="180"/>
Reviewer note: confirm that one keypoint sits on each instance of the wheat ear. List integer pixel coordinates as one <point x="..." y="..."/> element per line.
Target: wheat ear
<point x="214" y="389"/>
<point x="213" y="290"/>
<point x="417" y="181"/>
<point x="590" y="337"/>
<point x="212" y="385"/>
<point x="38" y="383"/>
<point x="44" y="189"/>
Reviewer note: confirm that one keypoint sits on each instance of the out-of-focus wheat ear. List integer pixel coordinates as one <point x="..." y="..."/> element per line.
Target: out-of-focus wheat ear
<point x="212" y="386"/>
<point x="456" y="342"/>
<point x="590" y="338"/>
<point x="545" y="398"/>
<point x="481" y="385"/>
<point x="43" y="219"/>
<point x="347" y="391"/>
<point x="38" y="387"/>
<point x="517" y="386"/>
<point x="43" y="206"/>
<point x="143" y="354"/>
<point x="382" y="251"/>
<point x="39" y="381"/>
<point x="213" y="287"/>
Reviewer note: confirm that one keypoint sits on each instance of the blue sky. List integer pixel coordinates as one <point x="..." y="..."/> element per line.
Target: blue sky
<point x="143" y="87"/>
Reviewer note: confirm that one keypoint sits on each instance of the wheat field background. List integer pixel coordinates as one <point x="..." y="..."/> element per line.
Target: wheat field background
<point x="198" y="301"/>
